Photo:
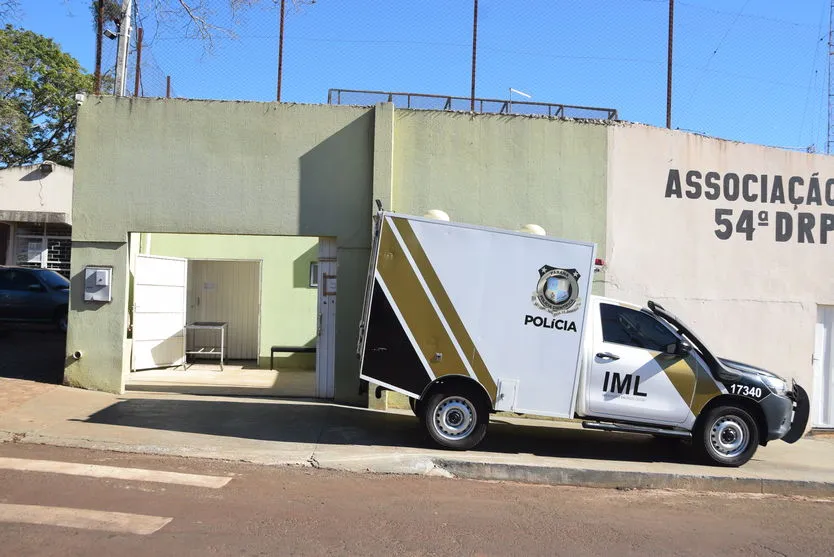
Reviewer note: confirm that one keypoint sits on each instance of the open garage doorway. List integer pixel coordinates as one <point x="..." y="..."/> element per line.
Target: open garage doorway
<point x="252" y="315"/>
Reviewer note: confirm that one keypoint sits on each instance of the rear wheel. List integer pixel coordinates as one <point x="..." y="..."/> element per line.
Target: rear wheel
<point x="727" y="436"/>
<point x="455" y="420"/>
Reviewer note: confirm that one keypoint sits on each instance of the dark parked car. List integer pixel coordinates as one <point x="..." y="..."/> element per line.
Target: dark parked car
<point x="34" y="296"/>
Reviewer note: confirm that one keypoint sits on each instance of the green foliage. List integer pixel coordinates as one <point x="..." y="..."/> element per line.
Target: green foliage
<point x="38" y="83"/>
<point x="112" y="11"/>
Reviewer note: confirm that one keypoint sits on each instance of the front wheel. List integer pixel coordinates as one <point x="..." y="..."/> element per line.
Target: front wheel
<point x="455" y="421"/>
<point x="727" y="436"/>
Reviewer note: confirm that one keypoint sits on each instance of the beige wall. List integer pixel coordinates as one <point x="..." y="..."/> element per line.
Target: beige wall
<point x="750" y="299"/>
<point x="27" y="189"/>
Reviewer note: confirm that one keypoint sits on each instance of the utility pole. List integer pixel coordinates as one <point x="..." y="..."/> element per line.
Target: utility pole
<point x="99" y="32"/>
<point x="669" y="65"/>
<point x="280" y="50"/>
<point x="475" y="54"/>
<point x="138" y="73"/>
<point x="124" y="44"/>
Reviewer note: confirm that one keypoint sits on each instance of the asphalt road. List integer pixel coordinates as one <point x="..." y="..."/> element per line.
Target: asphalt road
<point x="34" y="352"/>
<point x="286" y="511"/>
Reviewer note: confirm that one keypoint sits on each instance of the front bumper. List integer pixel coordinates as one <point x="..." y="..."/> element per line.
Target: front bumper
<point x="777" y="410"/>
<point x="786" y="415"/>
<point x="801" y="410"/>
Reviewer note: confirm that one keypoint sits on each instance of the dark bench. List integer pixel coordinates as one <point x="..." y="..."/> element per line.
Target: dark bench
<point x="300" y="349"/>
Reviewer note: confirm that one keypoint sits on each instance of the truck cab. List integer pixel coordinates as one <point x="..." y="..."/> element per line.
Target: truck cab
<point x="643" y="367"/>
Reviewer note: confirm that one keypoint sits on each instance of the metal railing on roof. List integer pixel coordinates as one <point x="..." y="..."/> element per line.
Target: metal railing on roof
<point x="423" y="101"/>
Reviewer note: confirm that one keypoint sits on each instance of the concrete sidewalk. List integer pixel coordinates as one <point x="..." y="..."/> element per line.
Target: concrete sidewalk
<point x="269" y="431"/>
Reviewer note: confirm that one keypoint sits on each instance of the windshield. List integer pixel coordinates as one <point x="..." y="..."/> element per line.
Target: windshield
<point x="683" y="330"/>
<point x="54" y="280"/>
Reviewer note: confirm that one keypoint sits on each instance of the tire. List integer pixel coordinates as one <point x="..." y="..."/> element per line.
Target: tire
<point x="455" y="421"/>
<point x="727" y="436"/>
<point x="416" y="406"/>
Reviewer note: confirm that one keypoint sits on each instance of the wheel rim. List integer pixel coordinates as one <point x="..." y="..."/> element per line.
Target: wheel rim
<point x="455" y="418"/>
<point x="729" y="436"/>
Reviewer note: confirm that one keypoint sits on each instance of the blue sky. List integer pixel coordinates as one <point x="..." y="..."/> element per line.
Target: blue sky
<point x="751" y="70"/>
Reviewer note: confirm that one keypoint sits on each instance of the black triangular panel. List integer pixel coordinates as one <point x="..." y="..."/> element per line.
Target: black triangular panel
<point x="389" y="355"/>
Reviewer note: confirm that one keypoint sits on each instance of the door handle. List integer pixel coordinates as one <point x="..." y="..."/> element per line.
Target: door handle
<point x="607" y="356"/>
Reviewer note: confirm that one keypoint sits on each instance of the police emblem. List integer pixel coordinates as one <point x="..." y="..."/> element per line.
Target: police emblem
<point x="557" y="291"/>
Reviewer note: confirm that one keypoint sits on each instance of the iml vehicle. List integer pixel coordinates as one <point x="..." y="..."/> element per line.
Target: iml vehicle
<point x="467" y="321"/>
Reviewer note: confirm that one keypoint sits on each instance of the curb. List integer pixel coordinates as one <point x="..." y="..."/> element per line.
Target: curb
<point x="208" y="453"/>
<point x="616" y="479"/>
<point x="440" y="467"/>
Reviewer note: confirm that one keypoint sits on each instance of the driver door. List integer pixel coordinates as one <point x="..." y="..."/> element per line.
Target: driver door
<point x="632" y="377"/>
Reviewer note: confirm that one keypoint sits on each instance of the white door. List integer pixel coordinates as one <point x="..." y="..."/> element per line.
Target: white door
<point x="326" y="328"/>
<point x="159" y="303"/>
<point x="631" y="376"/>
<point x="823" y="415"/>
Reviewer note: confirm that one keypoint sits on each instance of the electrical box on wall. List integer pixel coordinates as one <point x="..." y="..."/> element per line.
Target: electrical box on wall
<point x="97" y="284"/>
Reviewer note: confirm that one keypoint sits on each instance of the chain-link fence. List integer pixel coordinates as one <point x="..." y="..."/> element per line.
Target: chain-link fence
<point x="442" y="102"/>
<point x="743" y="70"/>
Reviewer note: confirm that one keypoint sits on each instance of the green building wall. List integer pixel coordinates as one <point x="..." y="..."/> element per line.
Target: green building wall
<point x="504" y="171"/>
<point x="169" y="166"/>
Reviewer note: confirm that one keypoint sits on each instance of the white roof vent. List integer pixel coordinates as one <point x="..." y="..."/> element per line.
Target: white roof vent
<point x="533" y="229"/>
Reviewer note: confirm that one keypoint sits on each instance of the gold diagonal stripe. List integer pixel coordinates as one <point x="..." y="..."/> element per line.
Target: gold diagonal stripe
<point x="705" y="390"/>
<point x="680" y="374"/>
<point x="413" y="303"/>
<point x="459" y="331"/>
<point x="692" y="382"/>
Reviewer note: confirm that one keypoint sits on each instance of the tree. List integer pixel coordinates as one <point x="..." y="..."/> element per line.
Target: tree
<point x="9" y="9"/>
<point x="38" y="83"/>
<point x="194" y="18"/>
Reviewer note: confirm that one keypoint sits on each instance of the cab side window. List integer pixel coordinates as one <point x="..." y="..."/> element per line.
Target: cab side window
<point x="634" y="328"/>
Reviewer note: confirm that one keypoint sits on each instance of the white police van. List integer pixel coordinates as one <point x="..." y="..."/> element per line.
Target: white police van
<point x="469" y="320"/>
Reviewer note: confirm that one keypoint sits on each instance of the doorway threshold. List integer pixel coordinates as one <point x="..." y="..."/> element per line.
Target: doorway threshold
<point x="235" y="379"/>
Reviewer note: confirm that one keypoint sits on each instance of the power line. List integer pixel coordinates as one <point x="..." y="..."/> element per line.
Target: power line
<point x="812" y="81"/>
<point x="714" y="52"/>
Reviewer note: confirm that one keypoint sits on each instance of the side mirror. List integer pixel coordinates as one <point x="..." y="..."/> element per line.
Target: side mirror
<point x="680" y="348"/>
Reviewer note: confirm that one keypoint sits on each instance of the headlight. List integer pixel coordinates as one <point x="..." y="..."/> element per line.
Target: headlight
<point x="775" y="384"/>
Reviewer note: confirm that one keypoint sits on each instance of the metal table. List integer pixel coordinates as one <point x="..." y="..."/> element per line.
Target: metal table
<point x="203" y="350"/>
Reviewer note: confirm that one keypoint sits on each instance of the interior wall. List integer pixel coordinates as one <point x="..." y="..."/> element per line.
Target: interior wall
<point x="288" y="302"/>
<point x="228" y="292"/>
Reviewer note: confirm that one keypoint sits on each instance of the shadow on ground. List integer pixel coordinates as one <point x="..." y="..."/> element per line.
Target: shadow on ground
<point x="32" y="352"/>
<point x="343" y="425"/>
